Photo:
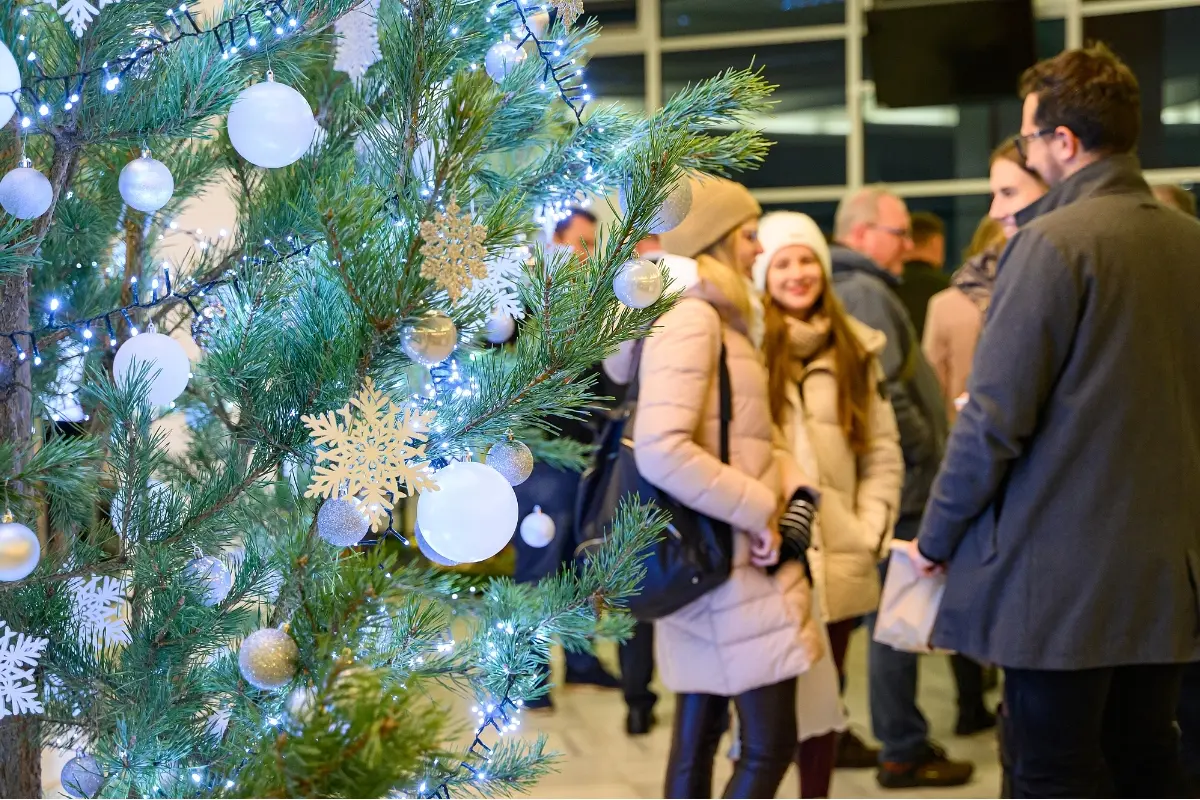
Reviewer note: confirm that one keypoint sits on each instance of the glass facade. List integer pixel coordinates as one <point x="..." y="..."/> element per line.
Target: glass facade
<point x="831" y="135"/>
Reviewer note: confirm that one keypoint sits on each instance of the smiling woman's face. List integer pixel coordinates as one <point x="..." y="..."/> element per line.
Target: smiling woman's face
<point x="796" y="280"/>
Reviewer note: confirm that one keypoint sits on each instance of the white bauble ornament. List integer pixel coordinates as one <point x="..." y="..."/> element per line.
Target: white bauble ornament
<point x="673" y="210"/>
<point x="511" y="459"/>
<point x="146" y="184"/>
<point x="428" y="551"/>
<point x="300" y="702"/>
<point x="10" y="82"/>
<point x="271" y="124"/>
<point x="500" y="328"/>
<point x="502" y="58"/>
<point x="341" y="523"/>
<point x="20" y="550"/>
<point x="267" y="658"/>
<point x="169" y="365"/>
<point x="81" y="777"/>
<point x="538" y="23"/>
<point x="471" y="516"/>
<point x="431" y="339"/>
<point x="537" y="529"/>
<point x="639" y="283"/>
<point x="25" y="193"/>
<point x="214" y="576"/>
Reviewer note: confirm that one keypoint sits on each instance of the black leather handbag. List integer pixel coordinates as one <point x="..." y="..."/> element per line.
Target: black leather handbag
<point x="696" y="555"/>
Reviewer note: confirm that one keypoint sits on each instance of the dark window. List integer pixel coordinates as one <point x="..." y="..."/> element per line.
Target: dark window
<point x="693" y="17"/>
<point x="620" y="78"/>
<point x="962" y="215"/>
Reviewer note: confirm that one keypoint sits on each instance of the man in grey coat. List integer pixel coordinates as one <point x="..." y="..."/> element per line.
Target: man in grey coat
<point x="874" y="237"/>
<point x="1067" y="511"/>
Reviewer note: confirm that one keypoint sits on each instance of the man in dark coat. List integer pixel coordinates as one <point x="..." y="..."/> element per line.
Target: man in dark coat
<point x="924" y="268"/>
<point x="1067" y="511"/>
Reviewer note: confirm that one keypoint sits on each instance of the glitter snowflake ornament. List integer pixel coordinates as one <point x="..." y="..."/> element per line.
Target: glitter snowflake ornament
<point x="19" y="656"/>
<point x="454" y="251"/>
<point x="78" y="13"/>
<point x="358" y="40"/>
<point x="568" y="10"/>
<point x="372" y="454"/>
<point x="101" y="608"/>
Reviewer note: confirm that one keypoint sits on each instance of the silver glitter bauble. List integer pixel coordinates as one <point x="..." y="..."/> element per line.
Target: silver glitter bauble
<point x="428" y="551"/>
<point x="20" y="550"/>
<point x="81" y="777"/>
<point x="341" y="523"/>
<point x="214" y="576"/>
<point x="502" y="58"/>
<point x="146" y="51"/>
<point x="205" y="322"/>
<point x="537" y="529"/>
<point x="431" y="339"/>
<point x="300" y="702"/>
<point x="146" y="184"/>
<point x="511" y="459"/>
<point x="673" y="210"/>
<point x="25" y="193"/>
<point x="267" y="659"/>
<point x="639" y="283"/>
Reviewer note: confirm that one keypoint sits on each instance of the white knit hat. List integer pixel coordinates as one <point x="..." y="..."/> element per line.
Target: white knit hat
<point x="782" y="229"/>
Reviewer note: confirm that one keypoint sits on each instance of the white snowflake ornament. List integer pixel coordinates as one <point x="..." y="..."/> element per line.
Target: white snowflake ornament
<point x="19" y="656"/>
<point x="500" y="285"/>
<point x="101" y="606"/>
<point x="78" y="13"/>
<point x="358" y="40"/>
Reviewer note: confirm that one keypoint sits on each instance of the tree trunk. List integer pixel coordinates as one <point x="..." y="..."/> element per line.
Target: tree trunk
<point x="20" y="757"/>
<point x="16" y="402"/>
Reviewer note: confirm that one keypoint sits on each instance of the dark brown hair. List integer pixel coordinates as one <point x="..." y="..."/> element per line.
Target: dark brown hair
<point x="561" y="228"/>
<point x="1090" y="92"/>
<point x="852" y="366"/>
<point x="925" y="226"/>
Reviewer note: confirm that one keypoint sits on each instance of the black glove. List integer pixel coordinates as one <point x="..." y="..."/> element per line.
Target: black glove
<point x="795" y="526"/>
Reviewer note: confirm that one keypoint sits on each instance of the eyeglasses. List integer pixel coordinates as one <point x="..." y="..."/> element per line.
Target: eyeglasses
<point x="899" y="233"/>
<point x="1021" y="142"/>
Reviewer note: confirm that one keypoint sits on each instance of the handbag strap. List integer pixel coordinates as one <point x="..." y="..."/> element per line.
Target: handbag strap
<point x="724" y="391"/>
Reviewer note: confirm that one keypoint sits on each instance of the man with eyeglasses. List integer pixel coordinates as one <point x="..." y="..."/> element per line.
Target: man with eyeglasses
<point x="874" y="238"/>
<point x="1067" y="513"/>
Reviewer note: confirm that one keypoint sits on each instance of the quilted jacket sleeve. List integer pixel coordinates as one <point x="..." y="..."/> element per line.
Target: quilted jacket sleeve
<point x="678" y="369"/>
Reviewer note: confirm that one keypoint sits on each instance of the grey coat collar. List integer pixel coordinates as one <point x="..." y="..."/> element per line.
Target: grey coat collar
<point x="846" y="261"/>
<point x="1112" y="175"/>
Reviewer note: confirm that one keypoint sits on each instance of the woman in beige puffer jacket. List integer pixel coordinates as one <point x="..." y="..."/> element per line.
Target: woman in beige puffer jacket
<point x="825" y="394"/>
<point x="750" y="637"/>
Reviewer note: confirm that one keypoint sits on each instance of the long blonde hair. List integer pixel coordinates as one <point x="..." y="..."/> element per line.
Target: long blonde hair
<point x="715" y="266"/>
<point x="989" y="235"/>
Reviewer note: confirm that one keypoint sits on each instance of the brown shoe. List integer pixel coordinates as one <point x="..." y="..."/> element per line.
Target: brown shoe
<point x="934" y="769"/>
<point x="854" y="753"/>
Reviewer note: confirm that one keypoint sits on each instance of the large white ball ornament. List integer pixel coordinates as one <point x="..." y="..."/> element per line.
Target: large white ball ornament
<point x="427" y="551"/>
<point x="169" y="365"/>
<point x="146" y="184"/>
<point x="213" y="576"/>
<point x="502" y="58"/>
<point x="271" y="124"/>
<point x="267" y="658"/>
<point x="20" y="550"/>
<point x="471" y="516"/>
<point x="81" y="777"/>
<point x="673" y="210"/>
<point x="431" y="339"/>
<point x="500" y="328"/>
<point x="26" y="193"/>
<point x="10" y="81"/>
<point x="537" y="529"/>
<point x="341" y="522"/>
<point x="639" y="283"/>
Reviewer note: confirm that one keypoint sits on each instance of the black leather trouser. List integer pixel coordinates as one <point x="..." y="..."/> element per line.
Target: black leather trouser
<point x="767" y="718"/>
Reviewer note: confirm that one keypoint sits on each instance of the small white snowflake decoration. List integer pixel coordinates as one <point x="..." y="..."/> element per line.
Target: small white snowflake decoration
<point x="500" y="285"/>
<point x="19" y="656"/>
<point x="101" y="607"/>
<point x="358" y="40"/>
<point x="78" y="13"/>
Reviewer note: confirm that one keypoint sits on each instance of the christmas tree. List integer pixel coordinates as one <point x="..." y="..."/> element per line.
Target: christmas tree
<point x="235" y="619"/>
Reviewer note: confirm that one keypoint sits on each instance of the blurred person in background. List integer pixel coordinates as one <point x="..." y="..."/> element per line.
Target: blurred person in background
<point x="874" y="239"/>
<point x="923" y="275"/>
<point x="1176" y="197"/>
<point x="1065" y="515"/>
<point x="748" y="638"/>
<point x="825" y="394"/>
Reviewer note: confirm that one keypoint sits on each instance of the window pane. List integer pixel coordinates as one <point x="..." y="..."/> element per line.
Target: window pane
<point x="962" y="214"/>
<point x="808" y="123"/>
<point x="822" y="213"/>
<point x="611" y="13"/>
<point x="620" y="78"/>
<point x="693" y="17"/>
<point x="943" y="142"/>
<point x="1160" y="47"/>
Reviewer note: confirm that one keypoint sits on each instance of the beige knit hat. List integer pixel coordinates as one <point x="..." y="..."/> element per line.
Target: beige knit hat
<point x="718" y="206"/>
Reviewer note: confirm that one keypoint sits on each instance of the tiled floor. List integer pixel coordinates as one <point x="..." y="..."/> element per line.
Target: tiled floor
<point x="599" y="760"/>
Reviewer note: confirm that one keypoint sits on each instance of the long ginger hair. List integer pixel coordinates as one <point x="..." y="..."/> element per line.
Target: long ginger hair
<point x="852" y="365"/>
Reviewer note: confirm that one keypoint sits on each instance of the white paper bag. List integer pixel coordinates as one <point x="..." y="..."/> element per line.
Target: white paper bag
<point x="909" y="605"/>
